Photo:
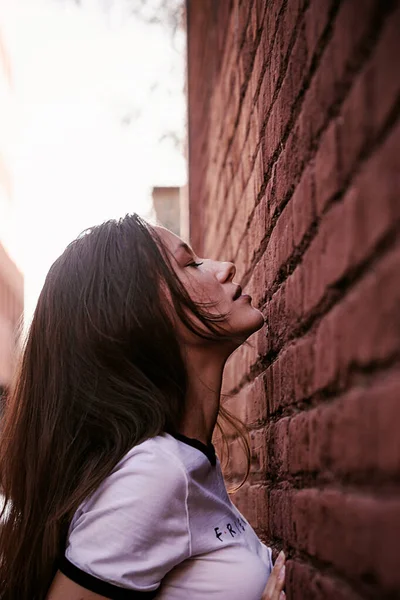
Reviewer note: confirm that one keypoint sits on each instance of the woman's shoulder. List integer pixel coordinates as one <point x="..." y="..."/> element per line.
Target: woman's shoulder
<point x="172" y="454"/>
<point x="158" y="454"/>
<point x="147" y="476"/>
<point x="152" y="467"/>
<point x="134" y="528"/>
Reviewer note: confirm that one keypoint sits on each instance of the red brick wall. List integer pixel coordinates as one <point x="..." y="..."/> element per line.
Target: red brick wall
<point x="294" y="162"/>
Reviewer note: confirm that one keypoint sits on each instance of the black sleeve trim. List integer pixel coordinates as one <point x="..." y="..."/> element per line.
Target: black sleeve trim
<point x="104" y="588"/>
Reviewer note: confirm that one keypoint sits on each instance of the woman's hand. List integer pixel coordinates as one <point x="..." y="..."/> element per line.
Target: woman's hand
<point x="276" y="581"/>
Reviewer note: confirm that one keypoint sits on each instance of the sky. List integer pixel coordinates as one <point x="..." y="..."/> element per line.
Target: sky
<point x="94" y="92"/>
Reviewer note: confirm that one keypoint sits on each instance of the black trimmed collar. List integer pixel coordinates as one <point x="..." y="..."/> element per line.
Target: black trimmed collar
<point x="208" y="450"/>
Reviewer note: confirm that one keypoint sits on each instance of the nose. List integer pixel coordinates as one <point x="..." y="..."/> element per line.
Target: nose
<point x="226" y="272"/>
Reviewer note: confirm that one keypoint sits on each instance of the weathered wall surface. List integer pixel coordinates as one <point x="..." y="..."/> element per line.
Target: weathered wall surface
<point x="294" y="162"/>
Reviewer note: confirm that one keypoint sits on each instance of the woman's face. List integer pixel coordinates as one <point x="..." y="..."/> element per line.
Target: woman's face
<point x="209" y="280"/>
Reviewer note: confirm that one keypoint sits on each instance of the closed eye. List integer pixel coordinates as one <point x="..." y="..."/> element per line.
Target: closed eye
<point x="194" y="264"/>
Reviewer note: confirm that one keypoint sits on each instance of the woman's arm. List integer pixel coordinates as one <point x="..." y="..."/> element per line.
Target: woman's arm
<point x="63" y="588"/>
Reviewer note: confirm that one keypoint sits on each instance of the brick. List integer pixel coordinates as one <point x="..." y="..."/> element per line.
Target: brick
<point x="272" y="385"/>
<point x="258" y="495"/>
<point x="347" y="531"/>
<point x="382" y="81"/>
<point x="327" y="168"/>
<point x="317" y="19"/>
<point x="278" y="448"/>
<point x="329" y="255"/>
<point x="279" y="513"/>
<point x="255" y="79"/>
<point x="319" y="436"/>
<point x="321" y="271"/>
<point x="289" y="165"/>
<point x="356" y="433"/>
<point x="355" y="332"/>
<point x="291" y="72"/>
<point x="257" y="231"/>
<point x="303" y="517"/>
<point x="363" y="436"/>
<point x="284" y="310"/>
<point x="303" y="581"/>
<point x="304" y="367"/>
<point x="256" y="286"/>
<point x="326" y="354"/>
<point x="386" y="544"/>
<point x="278" y="320"/>
<point x="243" y="16"/>
<point x="303" y="205"/>
<point x="366" y="334"/>
<point x="323" y="91"/>
<point x="299" y="443"/>
<point x="352" y="33"/>
<point x="260" y="12"/>
<point x="255" y="402"/>
<point x="354" y="125"/>
<point x="293" y="163"/>
<point x="352" y="228"/>
<point x="293" y="78"/>
<point x="378" y="179"/>
<point x="386" y="413"/>
<point x="271" y="35"/>
<point x="287" y="383"/>
<point x="280" y="245"/>
<point x="290" y="25"/>
<point x="258" y="452"/>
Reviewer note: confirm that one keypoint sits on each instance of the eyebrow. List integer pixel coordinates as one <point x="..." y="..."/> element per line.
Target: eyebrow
<point x="185" y="247"/>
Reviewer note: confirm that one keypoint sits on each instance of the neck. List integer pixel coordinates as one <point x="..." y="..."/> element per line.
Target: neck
<point x="203" y="395"/>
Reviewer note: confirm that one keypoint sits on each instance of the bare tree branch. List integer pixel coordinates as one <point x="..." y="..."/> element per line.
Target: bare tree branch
<point x="170" y="15"/>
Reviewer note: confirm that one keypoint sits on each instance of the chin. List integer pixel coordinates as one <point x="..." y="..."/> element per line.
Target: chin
<point x="251" y="323"/>
<point x="259" y="321"/>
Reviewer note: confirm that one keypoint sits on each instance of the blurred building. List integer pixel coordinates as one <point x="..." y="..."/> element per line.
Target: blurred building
<point x="166" y="204"/>
<point x="11" y="280"/>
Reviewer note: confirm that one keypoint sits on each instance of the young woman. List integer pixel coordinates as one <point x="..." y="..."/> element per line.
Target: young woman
<point x="111" y="485"/>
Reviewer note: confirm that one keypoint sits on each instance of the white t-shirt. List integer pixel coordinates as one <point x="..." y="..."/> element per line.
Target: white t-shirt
<point x="162" y="526"/>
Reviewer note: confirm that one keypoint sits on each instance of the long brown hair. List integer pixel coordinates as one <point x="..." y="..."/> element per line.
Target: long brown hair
<point x="101" y="371"/>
